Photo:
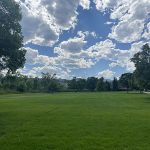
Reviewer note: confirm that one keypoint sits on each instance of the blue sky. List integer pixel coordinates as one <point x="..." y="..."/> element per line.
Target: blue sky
<point x="83" y="37"/>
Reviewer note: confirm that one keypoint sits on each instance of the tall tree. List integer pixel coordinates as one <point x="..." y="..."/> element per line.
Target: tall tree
<point x="91" y="83"/>
<point x="126" y="81"/>
<point x="100" y="84"/>
<point x="73" y="84"/>
<point x="81" y="84"/>
<point x="115" y="84"/>
<point x="107" y="86"/>
<point x="49" y="82"/>
<point x="142" y="65"/>
<point x="12" y="56"/>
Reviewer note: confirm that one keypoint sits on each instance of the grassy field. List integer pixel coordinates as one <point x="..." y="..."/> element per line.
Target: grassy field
<point x="75" y="121"/>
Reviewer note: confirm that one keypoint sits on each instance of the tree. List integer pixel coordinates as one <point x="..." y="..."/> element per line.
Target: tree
<point x="100" y="84"/>
<point x="73" y="84"/>
<point x="142" y="65"/>
<point x="115" y="84"/>
<point x="91" y="83"/>
<point x="12" y="56"/>
<point x="21" y="87"/>
<point x="81" y="84"/>
<point x="107" y="86"/>
<point x="49" y="82"/>
<point x="126" y="81"/>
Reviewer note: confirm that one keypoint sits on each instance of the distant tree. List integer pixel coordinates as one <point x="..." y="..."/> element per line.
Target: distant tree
<point x="126" y="81"/>
<point x="91" y="83"/>
<point x="100" y="84"/>
<point x="72" y="84"/>
<point x="1" y="77"/>
<point x="36" y="83"/>
<point x="81" y="84"/>
<point x="12" y="56"/>
<point x="115" y="84"/>
<point x="142" y="65"/>
<point x="22" y="87"/>
<point x="49" y="82"/>
<point x="107" y="86"/>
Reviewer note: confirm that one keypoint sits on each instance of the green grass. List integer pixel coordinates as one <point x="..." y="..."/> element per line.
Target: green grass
<point x="75" y="121"/>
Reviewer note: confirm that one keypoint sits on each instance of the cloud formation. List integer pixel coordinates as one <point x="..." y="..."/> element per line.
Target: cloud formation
<point x="130" y="15"/>
<point x="44" y="21"/>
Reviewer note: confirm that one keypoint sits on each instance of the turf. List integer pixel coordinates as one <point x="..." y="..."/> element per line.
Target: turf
<point x="75" y="121"/>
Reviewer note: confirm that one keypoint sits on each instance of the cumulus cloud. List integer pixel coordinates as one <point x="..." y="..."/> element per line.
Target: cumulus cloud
<point x="146" y="34"/>
<point x="74" y="45"/>
<point x="127" y="32"/>
<point x="107" y="74"/>
<point x="44" y="20"/>
<point x="33" y="57"/>
<point x="101" y="49"/>
<point x="85" y="4"/>
<point x="130" y="16"/>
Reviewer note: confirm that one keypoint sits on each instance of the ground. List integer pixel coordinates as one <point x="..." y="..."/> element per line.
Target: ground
<point x="75" y="121"/>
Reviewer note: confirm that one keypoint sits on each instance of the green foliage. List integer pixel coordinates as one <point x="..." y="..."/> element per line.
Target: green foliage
<point x="72" y="84"/>
<point x="107" y="86"/>
<point x="115" y="85"/>
<point x="49" y="82"/>
<point x="126" y="81"/>
<point x="81" y="84"/>
<point x="12" y="56"/>
<point x="100" y="84"/>
<point x="21" y="87"/>
<point x="91" y="83"/>
<point x="142" y="64"/>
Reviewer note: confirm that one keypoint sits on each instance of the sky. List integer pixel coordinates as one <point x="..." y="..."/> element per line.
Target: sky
<point x="83" y="38"/>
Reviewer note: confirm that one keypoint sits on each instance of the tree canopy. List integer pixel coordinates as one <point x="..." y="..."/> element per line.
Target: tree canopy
<point x="142" y="65"/>
<point x="126" y="81"/>
<point x="12" y="55"/>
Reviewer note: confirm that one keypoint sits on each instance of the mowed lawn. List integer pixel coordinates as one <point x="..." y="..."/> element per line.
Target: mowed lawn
<point x="75" y="121"/>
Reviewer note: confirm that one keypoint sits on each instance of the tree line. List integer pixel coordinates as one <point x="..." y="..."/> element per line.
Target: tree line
<point x="50" y="84"/>
<point x="12" y="57"/>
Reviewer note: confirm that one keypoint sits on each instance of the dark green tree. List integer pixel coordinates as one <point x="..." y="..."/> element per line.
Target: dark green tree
<point x="126" y="81"/>
<point x="91" y="83"/>
<point x="81" y="84"/>
<point x="142" y="65"/>
<point x="115" y="85"/>
<point x="107" y="86"/>
<point x="49" y="82"/>
<point x="72" y="84"/>
<point x="100" y="84"/>
<point x="12" y="55"/>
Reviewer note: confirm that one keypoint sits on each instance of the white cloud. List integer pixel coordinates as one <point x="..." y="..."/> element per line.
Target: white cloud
<point x="127" y="32"/>
<point x="33" y="57"/>
<point x="130" y="16"/>
<point x="123" y="57"/>
<point x="37" y="29"/>
<point x="44" y="20"/>
<point x="146" y="34"/>
<point x="101" y="49"/>
<point x="107" y="74"/>
<point x="74" y="45"/>
<point x="85" y="4"/>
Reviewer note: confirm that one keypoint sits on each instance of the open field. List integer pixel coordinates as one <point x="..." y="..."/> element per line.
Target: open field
<point x="75" y="121"/>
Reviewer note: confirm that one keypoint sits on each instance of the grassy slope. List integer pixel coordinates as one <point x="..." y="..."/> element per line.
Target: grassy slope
<point x="75" y="121"/>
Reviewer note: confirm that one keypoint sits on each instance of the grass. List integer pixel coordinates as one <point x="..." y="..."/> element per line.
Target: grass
<point x="75" y="121"/>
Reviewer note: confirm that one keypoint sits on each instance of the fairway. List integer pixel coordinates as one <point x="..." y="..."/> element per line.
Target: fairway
<point x="75" y="121"/>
